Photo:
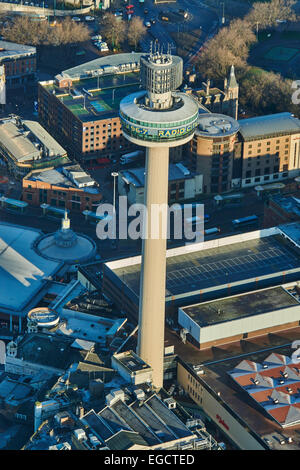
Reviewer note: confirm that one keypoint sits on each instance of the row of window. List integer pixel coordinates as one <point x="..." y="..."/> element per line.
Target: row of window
<point x="268" y="143"/>
<point x="266" y="178"/>
<point x="159" y="125"/>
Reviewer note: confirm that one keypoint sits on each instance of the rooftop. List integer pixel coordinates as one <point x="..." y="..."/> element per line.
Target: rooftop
<point x="184" y="107"/>
<point x="216" y="125"/>
<point x="217" y="363"/>
<point x="273" y="384"/>
<point x="10" y="50"/>
<point x="22" y="270"/>
<point x="54" y="351"/>
<point x="23" y="139"/>
<point x="117" y="62"/>
<point x="292" y="231"/>
<point x="233" y="261"/>
<point x="290" y="204"/>
<point x="231" y="308"/>
<point x="72" y="176"/>
<point x="151" y="420"/>
<point x="136" y="176"/>
<point x="103" y="98"/>
<point x="272" y="124"/>
<point x="131" y="361"/>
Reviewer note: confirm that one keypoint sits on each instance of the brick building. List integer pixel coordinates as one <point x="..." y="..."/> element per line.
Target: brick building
<point x="282" y="209"/>
<point x="212" y="151"/>
<point x="65" y="187"/>
<point x="19" y="62"/>
<point x="81" y="106"/>
<point x="233" y="154"/>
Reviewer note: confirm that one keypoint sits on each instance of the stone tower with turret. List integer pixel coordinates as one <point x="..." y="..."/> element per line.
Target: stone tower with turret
<point x="231" y="91"/>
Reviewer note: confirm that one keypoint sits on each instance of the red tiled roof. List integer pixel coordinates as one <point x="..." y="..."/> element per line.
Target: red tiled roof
<point x="280" y="413"/>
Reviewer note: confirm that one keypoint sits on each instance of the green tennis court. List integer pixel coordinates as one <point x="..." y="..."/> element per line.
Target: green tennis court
<point x="78" y="109"/>
<point x="281" y="53"/>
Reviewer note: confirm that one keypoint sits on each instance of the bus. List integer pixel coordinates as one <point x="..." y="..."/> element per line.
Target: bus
<point x="93" y="218"/>
<point x="212" y="231"/>
<point x="131" y="157"/>
<point x="196" y="221"/>
<point x="244" y="221"/>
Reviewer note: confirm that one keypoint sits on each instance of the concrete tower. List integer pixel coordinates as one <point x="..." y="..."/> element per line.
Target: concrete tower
<point x="157" y="118"/>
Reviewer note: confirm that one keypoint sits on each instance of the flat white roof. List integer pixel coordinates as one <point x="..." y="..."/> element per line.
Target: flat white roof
<point x="22" y="271"/>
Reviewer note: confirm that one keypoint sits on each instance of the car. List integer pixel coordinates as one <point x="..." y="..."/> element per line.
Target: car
<point x="89" y="18"/>
<point x="153" y="21"/>
<point x="76" y="18"/>
<point x="146" y="11"/>
<point x="147" y="24"/>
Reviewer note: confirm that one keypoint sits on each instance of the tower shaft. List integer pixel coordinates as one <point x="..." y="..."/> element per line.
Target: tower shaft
<point x="153" y="271"/>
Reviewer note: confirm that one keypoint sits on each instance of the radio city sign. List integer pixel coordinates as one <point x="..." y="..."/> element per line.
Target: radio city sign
<point x="161" y="133"/>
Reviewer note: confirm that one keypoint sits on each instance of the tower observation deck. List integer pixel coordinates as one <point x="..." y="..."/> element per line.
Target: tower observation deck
<point x="158" y="117"/>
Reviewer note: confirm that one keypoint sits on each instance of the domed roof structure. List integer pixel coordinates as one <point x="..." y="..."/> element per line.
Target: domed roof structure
<point x="65" y="245"/>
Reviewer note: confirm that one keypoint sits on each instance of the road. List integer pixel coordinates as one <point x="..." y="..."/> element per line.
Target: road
<point x="199" y="17"/>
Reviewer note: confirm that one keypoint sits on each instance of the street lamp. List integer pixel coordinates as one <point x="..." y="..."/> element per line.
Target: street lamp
<point x="114" y="174"/>
<point x="223" y="15"/>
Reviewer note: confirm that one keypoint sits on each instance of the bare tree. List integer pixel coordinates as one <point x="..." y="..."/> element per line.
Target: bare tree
<point x="229" y="47"/>
<point x="136" y="31"/>
<point x="266" y="14"/>
<point x="113" y="29"/>
<point x="68" y="32"/>
<point x="26" y="31"/>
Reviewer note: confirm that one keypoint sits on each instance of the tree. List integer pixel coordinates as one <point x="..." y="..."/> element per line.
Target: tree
<point x="266" y="92"/>
<point x="113" y="29"/>
<point x="26" y="31"/>
<point x="52" y="42"/>
<point x="229" y="47"/>
<point x="266" y="13"/>
<point x="136" y="31"/>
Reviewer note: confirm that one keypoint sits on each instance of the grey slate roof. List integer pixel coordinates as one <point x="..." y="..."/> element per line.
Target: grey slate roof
<point x="271" y="124"/>
<point x="115" y="60"/>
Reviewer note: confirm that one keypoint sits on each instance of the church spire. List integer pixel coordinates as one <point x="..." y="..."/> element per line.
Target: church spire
<point x="232" y="83"/>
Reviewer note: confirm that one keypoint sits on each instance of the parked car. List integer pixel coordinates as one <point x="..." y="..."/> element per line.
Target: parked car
<point x="76" y="18"/>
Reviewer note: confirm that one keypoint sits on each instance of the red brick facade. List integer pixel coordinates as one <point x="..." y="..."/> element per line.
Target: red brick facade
<point x="74" y="199"/>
